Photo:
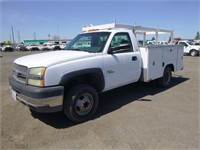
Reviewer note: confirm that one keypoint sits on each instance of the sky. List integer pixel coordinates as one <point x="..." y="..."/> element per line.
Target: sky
<point x="39" y="18"/>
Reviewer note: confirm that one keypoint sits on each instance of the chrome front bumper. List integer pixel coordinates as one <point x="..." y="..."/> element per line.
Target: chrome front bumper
<point x="48" y="99"/>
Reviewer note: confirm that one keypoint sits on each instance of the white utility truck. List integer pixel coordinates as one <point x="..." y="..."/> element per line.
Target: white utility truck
<point x="101" y="58"/>
<point x="190" y="48"/>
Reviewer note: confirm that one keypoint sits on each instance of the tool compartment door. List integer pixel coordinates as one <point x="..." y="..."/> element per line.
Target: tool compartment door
<point x="155" y="69"/>
<point x="151" y="62"/>
<point x="169" y="55"/>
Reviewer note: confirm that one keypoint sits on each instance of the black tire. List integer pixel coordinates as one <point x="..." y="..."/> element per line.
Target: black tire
<point x="165" y="80"/>
<point x="193" y="53"/>
<point x="80" y="103"/>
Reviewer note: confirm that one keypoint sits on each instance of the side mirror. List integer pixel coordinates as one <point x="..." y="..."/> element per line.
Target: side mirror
<point x="111" y="50"/>
<point x="119" y="49"/>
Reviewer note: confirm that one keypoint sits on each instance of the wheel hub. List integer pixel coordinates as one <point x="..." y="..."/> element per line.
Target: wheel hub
<point x="84" y="104"/>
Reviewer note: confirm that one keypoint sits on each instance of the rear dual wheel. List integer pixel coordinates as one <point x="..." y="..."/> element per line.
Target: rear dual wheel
<point x="165" y="80"/>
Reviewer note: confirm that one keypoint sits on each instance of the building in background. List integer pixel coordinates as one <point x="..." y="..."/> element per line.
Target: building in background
<point x="42" y="41"/>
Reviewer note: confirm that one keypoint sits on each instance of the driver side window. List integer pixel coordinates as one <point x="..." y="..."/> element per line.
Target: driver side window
<point x="121" y="43"/>
<point x="183" y="43"/>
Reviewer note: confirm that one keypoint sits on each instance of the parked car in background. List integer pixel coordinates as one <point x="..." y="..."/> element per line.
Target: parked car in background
<point x="7" y="48"/>
<point x="33" y="47"/>
<point x="63" y="45"/>
<point x="190" y="48"/>
<point x="197" y="42"/>
<point x="56" y="47"/>
<point x="21" y="47"/>
<point x="46" y="46"/>
<point x="150" y="43"/>
<point x="163" y="43"/>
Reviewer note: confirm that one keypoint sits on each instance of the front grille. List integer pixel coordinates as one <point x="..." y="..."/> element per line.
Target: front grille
<point x="20" y="68"/>
<point x="20" y="73"/>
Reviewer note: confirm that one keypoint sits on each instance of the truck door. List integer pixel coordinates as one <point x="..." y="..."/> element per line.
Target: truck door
<point x="122" y="63"/>
<point x="186" y="47"/>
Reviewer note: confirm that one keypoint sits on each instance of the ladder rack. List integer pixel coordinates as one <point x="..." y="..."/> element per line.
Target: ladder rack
<point x="136" y="29"/>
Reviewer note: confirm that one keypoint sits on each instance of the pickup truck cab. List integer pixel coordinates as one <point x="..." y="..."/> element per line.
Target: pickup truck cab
<point x="190" y="48"/>
<point x="93" y="62"/>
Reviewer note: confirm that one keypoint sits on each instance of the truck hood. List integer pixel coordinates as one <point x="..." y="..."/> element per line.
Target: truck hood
<point x="197" y="47"/>
<point x="51" y="58"/>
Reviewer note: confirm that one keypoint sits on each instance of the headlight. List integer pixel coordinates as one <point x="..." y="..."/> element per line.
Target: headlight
<point x="37" y="71"/>
<point x="36" y="82"/>
<point x="36" y="76"/>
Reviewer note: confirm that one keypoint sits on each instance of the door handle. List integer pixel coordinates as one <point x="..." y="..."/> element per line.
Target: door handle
<point x="134" y="58"/>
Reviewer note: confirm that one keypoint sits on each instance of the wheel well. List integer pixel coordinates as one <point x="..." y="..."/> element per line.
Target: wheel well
<point x="92" y="79"/>
<point x="171" y="66"/>
<point x="193" y="50"/>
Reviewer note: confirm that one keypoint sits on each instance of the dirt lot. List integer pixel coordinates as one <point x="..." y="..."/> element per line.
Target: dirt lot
<point x="137" y="116"/>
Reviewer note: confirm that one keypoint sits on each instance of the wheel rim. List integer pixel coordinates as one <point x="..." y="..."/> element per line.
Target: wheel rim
<point x="84" y="104"/>
<point x="193" y="53"/>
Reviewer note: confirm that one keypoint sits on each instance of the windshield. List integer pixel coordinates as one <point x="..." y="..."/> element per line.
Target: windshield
<point x="89" y="42"/>
<point x="190" y="43"/>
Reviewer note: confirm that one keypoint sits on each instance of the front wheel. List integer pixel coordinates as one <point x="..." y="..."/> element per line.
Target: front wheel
<point x="80" y="103"/>
<point x="193" y="53"/>
<point x="165" y="80"/>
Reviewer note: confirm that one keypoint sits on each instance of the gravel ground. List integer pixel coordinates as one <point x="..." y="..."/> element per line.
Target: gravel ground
<point x="137" y="116"/>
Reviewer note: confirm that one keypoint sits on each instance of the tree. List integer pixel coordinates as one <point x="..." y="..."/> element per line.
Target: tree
<point x="197" y="37"/>
<point x="153" y="39"/>
<point x="7" y="43"/>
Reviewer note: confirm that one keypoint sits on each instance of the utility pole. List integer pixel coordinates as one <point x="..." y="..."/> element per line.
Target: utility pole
<point x="49" y="35"/>
<point x="10" y="37"/>
<point x="13" y="34"/>
<point x="34" y="36"/>
<point x="19" y="38"/>
<point x="58" y="32"/>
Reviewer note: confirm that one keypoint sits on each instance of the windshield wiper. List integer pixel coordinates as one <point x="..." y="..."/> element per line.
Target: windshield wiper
<point x="76" y="49"/>
<point x="82" y="50"/>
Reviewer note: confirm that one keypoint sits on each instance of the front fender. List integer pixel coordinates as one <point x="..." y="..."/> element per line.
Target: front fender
<point x="97" y="72"/>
